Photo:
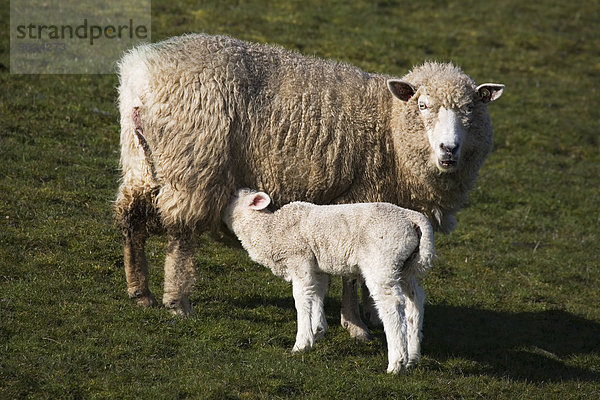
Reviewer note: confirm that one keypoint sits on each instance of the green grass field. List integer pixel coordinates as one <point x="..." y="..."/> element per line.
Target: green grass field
<point x="513" y="306"/>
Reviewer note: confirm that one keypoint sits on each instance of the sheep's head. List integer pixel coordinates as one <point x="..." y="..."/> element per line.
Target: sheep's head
<point x="445" y="102"/>
<point x="243" y="202"/>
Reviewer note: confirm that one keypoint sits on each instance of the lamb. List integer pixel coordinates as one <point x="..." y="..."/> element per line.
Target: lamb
<point x="303" y="243"/>
<point x="217" y="114"/>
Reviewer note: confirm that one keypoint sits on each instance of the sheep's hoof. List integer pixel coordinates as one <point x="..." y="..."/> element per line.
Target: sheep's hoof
<point x="363" y="336"/>
<point x="357" y="332"/>
<point x="145" y="300"/>
<point x="179" y="307"/>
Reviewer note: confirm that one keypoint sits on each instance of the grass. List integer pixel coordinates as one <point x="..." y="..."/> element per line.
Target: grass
<point x="513" y="303"/>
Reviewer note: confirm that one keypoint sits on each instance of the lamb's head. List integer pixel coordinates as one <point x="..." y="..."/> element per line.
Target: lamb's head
<point x="243" y="204"/>
<point x="445" y="103"/>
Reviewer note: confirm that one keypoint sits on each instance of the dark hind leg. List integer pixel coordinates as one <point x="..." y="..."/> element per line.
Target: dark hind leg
<point x="350" y="314"/>
<point x="180" y="272"/>
<point x="132" y="213"/>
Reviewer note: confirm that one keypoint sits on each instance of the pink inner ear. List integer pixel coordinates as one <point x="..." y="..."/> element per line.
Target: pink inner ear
<point x="259" y="202"/>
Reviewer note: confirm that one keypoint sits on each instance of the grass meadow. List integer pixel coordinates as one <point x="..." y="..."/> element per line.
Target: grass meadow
<point x="513" y="304"/>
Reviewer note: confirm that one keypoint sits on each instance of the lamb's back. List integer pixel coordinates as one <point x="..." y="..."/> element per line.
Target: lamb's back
<point x="341" y="239"/>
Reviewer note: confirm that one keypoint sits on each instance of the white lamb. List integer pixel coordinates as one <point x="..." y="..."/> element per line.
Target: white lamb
<point x="303" y="243"/>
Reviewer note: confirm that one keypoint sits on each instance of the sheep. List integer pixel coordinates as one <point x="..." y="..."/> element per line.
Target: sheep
<point x="305" y="243"/>
<point x="218" y="114"/>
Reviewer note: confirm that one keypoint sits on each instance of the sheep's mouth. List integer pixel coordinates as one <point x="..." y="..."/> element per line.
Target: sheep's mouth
<point x="447" y="165"/>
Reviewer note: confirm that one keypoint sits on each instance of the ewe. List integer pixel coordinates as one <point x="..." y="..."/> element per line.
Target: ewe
<point x="218" y="114"/>
<point x="388" y="246"/>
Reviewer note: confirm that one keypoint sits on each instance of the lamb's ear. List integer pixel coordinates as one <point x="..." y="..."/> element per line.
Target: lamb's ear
<point x="400" y="89"/>
<point x="259" y="201"/>
<point x="489" y="92"/>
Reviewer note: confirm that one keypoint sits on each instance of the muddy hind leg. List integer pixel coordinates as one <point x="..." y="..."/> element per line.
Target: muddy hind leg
<point x="350" y="314"/>
<point x="132" y="213"/>
<point x="180" y="272"/>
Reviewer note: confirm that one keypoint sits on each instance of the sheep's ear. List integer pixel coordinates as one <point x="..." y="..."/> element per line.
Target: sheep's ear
<point x="400" y="89"/>
<point x="489" y="92"/>
<point x="259" y="201"/>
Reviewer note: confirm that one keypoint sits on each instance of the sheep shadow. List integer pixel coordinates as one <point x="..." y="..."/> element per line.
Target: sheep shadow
<point x="528" y="346"/>
<point x="532" y="346"/>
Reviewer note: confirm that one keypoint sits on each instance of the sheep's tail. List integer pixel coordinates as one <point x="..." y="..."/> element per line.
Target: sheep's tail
<point x="139" y="132"/>
<point x="424" y="255"/>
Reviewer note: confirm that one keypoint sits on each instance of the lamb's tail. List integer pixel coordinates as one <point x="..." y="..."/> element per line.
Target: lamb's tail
<point x="425" y="254"/>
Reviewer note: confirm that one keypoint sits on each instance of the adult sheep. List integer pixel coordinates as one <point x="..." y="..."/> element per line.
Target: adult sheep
<point x="202" y="116"/>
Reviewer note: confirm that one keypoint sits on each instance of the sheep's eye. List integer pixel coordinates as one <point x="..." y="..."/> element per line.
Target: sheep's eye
<point x="422" y="106"/>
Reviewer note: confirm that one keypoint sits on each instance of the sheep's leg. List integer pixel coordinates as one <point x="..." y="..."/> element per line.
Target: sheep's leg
<point x="136" y="268"/>
<point x="350" y="314"/>
<point x="319" y="322"/>
<point x="390" y="305"/>
<point x="369" y="309"/>
<point x="131" y="211"/>
<point x="415" y="305"/>
<point x="179" y="271"/>
<point x="303" y="295"/>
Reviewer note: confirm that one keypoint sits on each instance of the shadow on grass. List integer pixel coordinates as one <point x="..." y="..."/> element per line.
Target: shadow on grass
<point x="532" y="346"/>
<point x="546" y="346"/>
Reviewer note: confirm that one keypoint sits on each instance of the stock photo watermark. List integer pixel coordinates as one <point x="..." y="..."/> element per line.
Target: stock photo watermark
<point x="84" y="37"/>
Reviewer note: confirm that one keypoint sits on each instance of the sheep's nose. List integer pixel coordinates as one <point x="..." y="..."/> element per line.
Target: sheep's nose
<point x="449" y="150"/>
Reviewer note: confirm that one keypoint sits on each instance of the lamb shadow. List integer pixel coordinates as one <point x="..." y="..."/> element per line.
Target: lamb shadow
<point x="527" y="346"/>
<point x="532" y="346"/>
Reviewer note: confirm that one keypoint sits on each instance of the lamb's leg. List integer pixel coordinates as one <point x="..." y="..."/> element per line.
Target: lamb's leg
<point x="319" y="322"/>
<point x="390" y="305"/>
<point x="350" y="314"/>
<point x="180" y="273"/>
<point x="369" y="309"/>
<point x="131" y="211"/>
<point x="303" y="285"/>
<point x="415" y="304"/>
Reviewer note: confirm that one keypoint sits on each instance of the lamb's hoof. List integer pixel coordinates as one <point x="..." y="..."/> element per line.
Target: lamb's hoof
<point x="179" y="307"/>
<point x="357" y="332"/>
<point x="395" y="368"/>
<point x="301" y="348"/>
<point x="145" y="300"/>
<point x="413" y="361"/>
